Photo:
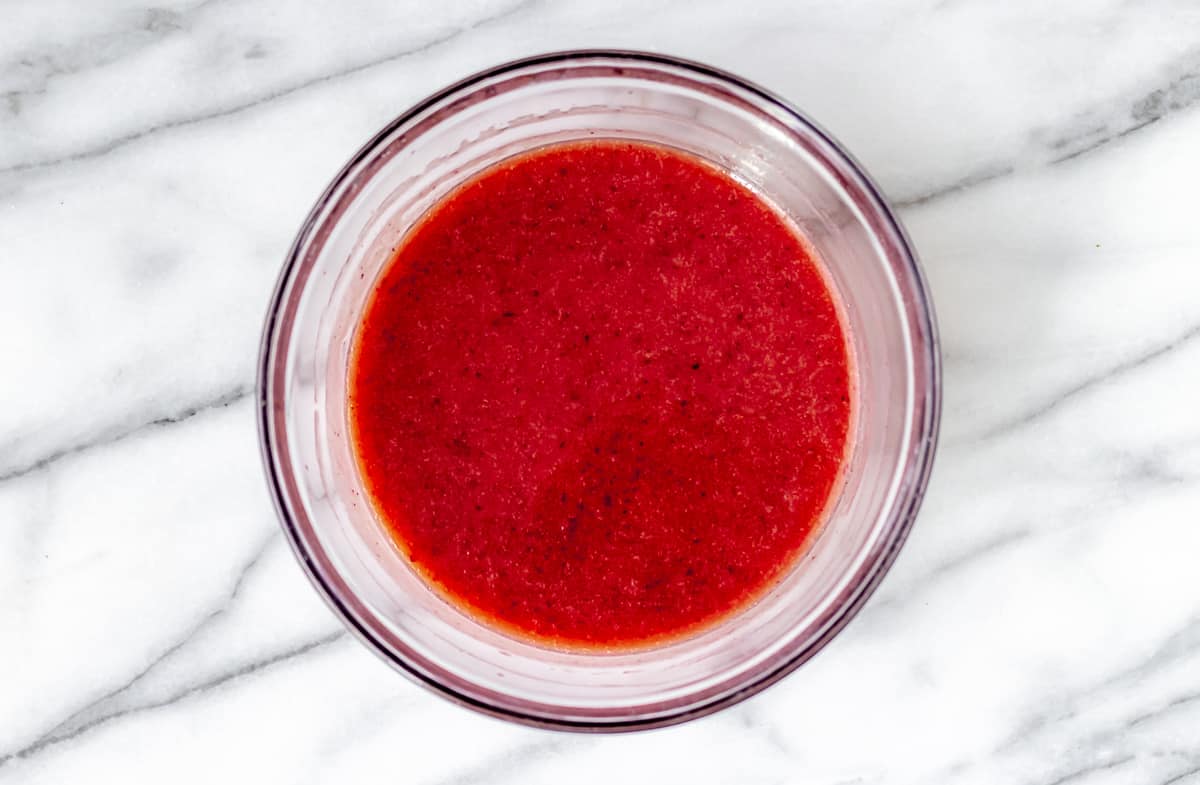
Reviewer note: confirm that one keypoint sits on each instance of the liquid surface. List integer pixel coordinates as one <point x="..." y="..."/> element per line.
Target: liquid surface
<point x="601" y="395"/>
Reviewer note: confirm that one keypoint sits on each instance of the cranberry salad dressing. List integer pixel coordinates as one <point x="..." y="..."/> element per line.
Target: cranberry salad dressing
<point x="601" y="395"/>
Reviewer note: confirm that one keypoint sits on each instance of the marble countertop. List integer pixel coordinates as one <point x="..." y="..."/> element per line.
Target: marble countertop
<point x="1042" y="625"/>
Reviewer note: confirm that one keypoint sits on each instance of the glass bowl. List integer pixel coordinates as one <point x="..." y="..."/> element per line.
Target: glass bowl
<point x="347" y="239"/>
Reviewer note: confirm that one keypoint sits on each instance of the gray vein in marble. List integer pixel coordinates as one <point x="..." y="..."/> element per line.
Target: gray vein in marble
<point x="1110" y="740"/>
<point x="1181" y="92"/>
<point x="1148" y="469"/>
<point x="101" y="709"/>
<point x="1088" y="131"/>
<point x="118" y="433"/>
<point x="365" y="721"/>
<point x="1169" y="707"/>
<point x="1090" y="769"/>
<point x="36" y="71"/>
<point x="50" y="739"/>
<point x="977" y="552"/>
<point x="1088" y="383"/>
<point x="505" y="764"/>
<point x="1179" y="645"/>
<point x="954" y="564"/>
<point x="273" y="95"/>
<point x="1154" y="469"/>
<point x="1183" y="775"/>
<point x="751" y="719"/>
<point x="967" y="182"/>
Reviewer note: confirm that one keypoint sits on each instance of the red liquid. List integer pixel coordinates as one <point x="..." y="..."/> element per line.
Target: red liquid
<point x="601" y="395"/>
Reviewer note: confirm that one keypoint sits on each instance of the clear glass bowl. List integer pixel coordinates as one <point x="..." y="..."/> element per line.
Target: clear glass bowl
<point x="405" y="169"/>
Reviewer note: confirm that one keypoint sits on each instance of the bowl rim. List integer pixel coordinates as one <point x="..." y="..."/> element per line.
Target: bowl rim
<point x="924" y="430"/>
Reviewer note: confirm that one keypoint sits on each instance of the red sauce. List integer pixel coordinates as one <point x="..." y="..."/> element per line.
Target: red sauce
<point x="601" y="395"/>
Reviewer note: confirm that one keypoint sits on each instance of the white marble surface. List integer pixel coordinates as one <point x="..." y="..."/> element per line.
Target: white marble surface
<point x="1042" y="625"/>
